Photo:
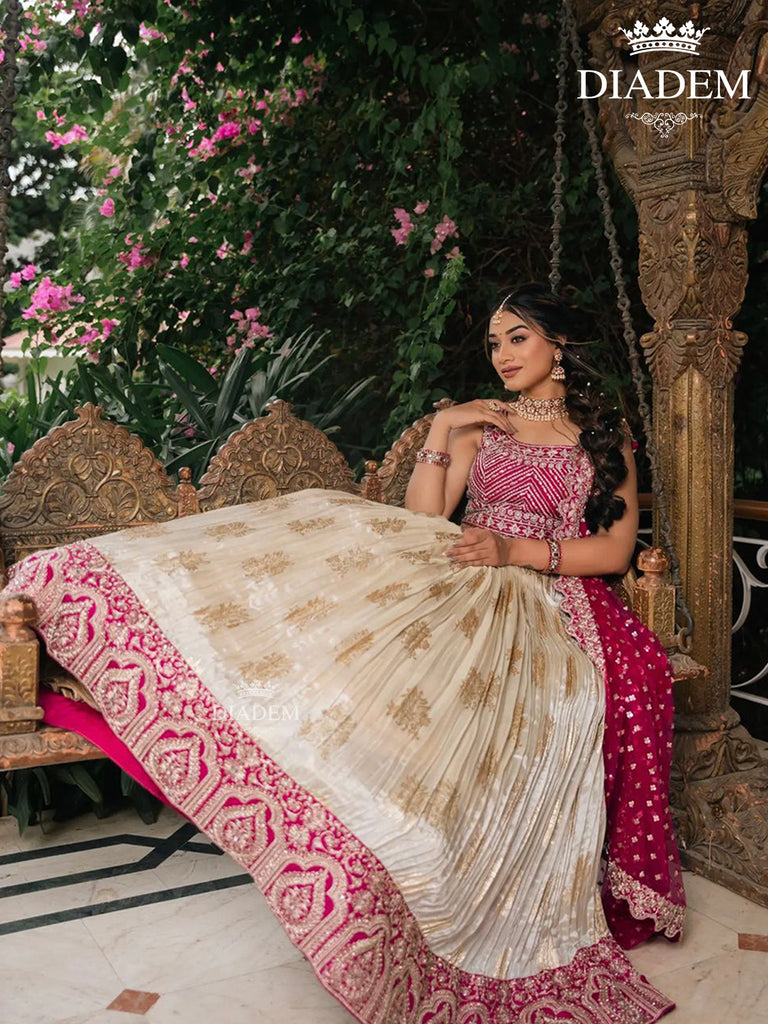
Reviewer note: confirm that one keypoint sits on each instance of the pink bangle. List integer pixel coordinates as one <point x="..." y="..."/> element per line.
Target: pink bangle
<point x="433" y="457"/>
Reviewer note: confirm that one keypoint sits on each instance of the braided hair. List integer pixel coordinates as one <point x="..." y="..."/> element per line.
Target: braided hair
<point x="602" y="432"/>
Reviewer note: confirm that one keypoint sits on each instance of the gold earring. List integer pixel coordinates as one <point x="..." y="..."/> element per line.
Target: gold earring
<point x="558" y="373"/>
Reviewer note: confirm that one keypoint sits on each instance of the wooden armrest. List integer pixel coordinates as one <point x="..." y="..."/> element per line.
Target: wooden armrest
<point x="19" y="666"/>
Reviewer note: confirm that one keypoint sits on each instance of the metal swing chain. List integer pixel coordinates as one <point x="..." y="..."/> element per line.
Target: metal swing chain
<point x="558" y="178"/>
<point x="11" y="28"/>
<point x="569" y="30"/>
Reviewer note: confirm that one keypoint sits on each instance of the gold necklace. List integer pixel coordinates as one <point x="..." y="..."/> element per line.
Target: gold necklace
<point x="539" y="408"/>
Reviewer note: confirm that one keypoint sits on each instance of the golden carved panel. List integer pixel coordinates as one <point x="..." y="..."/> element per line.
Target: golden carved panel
<point x="84" y="478"/>
<point x="276" y="454"/>
<point x="397" y="465"/>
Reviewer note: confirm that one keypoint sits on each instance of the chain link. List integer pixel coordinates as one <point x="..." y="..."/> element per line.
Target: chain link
<point x="11" y="28"/>
<point x="558" y="177"/>
<point x="570" y="30"/>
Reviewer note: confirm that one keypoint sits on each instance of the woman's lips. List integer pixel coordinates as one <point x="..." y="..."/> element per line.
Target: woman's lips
<point x="510" y="373"/>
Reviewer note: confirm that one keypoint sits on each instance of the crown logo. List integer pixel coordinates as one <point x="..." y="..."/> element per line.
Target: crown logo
<point x="664" y="36"/>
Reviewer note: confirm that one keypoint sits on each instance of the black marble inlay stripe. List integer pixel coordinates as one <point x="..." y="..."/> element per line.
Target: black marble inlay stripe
<point x="126" y="903"/>
<point x="162" y="851"/>
<point x="124" y="839"/>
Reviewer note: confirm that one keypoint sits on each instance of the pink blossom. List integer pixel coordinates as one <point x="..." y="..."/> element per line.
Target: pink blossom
<point x="11" y="448"/>
<point x="220" y="66"/>
<point x="108" y="326"/>
<point x="223" y="251"/>
<point x="75" y="134"/>
<point x="453" y="253"/>
<point x="50" y="298"/>
<point x="184" y="260"/>
<point x="204" y="149"/>
<point x="445" y="229"/>
<point x="28" y="272"/>
<point x="226" y="131"/>
<point x="401" y="234"/>
<point x="421" y="207"/>
<point x="40" y="115"/>
<point x="189" y="104"/>
<point x="113" y="172"/>
<point x="429" y="272"/>
<point x="136" y="257"/>
<point x="296" y="38"/>
<point x="107" y="208"/>
<point x="247" y="242"/>
<point x="15" y="279"/>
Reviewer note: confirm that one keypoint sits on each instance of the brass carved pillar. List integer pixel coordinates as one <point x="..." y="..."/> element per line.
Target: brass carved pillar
<point x="694" y="182"/>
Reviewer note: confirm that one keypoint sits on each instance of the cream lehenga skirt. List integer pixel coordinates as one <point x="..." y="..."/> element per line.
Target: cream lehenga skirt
<point x="404" y="752"/>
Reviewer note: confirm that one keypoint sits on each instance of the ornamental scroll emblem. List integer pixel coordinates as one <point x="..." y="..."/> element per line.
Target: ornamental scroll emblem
<point x="664" y="123"/>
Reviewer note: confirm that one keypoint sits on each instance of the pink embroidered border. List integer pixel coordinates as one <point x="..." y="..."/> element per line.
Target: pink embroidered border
<point x="645" y="903"/>
<point x="335" y="899"/>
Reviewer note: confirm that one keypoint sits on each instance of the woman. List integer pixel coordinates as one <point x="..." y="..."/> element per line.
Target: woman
<point x="398" y="725"/>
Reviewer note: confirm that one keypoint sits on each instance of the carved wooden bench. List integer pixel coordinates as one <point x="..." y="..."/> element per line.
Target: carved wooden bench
<point x="91" y="477"/>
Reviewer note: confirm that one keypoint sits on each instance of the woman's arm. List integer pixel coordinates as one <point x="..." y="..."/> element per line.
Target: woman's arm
<point x="607" y="551"/>
<point x="433" y="488"/>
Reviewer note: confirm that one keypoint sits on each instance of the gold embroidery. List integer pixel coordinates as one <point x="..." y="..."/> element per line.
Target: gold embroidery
<point x="390" y="594"/>
<point x="412" y="713"/>
<point x="514" y="657"/>
<point x="570" y="677"/>
<point x="468" y="855"/>
<point x="541" y="619"/>
<point x="416" y="637"/>
<point x="223" y="530"/>
<point x="441" y="589"/>
<point x="544" y="737"/>
<point x="476" y="691"/>
<point x="411" y="795"/>
<point x="583" y="876"/>
<point x="538" y="666"/>
<point x="266" y="565"/>
<point x="354" y="646"/>
<point x="189" y="560"/>
<point x="487" y="769"/>
<point x="446" y="535"/>
<point x="441" y="809"/>
<point x="315" y="609"/>
<point x="476" y="580"/>
<point x="308" y="525"/>
<point x="331" y="730"/>
<point x="416" y="557"/>
<point x="382" y="526"/>
<point x="468" y="625"/>
<point x="356" y="558"/>
<point x="151" y="529"/>
<point x="519" y="719"/>
<point x="227" y="614"/>
<point x="261" y="672"/>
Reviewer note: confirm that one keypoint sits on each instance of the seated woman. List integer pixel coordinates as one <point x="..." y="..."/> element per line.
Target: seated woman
<point x="416" y="736"/>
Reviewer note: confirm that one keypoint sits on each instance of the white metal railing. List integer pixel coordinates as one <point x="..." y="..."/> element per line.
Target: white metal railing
<point x="750" y="554"/>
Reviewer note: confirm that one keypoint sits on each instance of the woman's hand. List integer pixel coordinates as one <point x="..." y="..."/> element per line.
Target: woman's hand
<point x="476" y="413"/>
<point x="477" y="546"/>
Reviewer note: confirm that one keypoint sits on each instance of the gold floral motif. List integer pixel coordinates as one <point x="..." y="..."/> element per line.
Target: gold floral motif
<point x="476" y="580"/>
<point x="356" y="558"/>
<point x="223" y="530"/>
<point x="382" y="526"/>
<point x="541" y="619"/>
<point x="416" y="637"/>
<point x="390" y="594"/>
<point x="441" y="808"/>
<point x="315" y="609"/>
<point x="266" y="565"/>
<point x="227" y="614"/>
<point x="411" y="795"/>
<point x="260" y="673"/>
<point x="570" y="677"/>
<point x="417" y="557"/>
<point x="354" y="646"/>
<point x="487" y="769"/>
<point x="478" y="692"/>
<point x="544" y="737"/>
<point x="469" y="623"/>
<point x="330" y="731"/>
<point x="518" y="720"/>
<point x="538" y="666"/>
<point x="412" y="712"/>
<point x="309" y="525"/>
<point x="189" y="560"/>
<point x="583" y="874"/>
<point x="442" y="536"/>
<point x="441" y="589"/>
<point x="514" y="657"/>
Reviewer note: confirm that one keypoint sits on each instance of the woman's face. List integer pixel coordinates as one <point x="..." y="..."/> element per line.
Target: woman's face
<point x="521" y="356"/>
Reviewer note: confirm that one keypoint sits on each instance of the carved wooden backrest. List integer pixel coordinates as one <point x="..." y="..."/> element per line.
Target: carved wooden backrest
<point x="84" y="478"/>
<point x="397" y="465"/>
<point x="275" y="454"/>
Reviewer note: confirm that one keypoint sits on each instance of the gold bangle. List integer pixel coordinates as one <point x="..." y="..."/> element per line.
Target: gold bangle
<point x="433" y="457"/>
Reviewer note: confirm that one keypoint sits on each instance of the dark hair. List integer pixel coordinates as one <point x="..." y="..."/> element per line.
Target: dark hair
<point x="601" y="424"/>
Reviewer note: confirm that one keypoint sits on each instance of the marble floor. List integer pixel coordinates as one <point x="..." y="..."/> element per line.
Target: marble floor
<point x="160" y="926"/>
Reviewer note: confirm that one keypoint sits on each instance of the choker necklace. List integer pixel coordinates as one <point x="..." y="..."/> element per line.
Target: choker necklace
<point x="539" y="408"/>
